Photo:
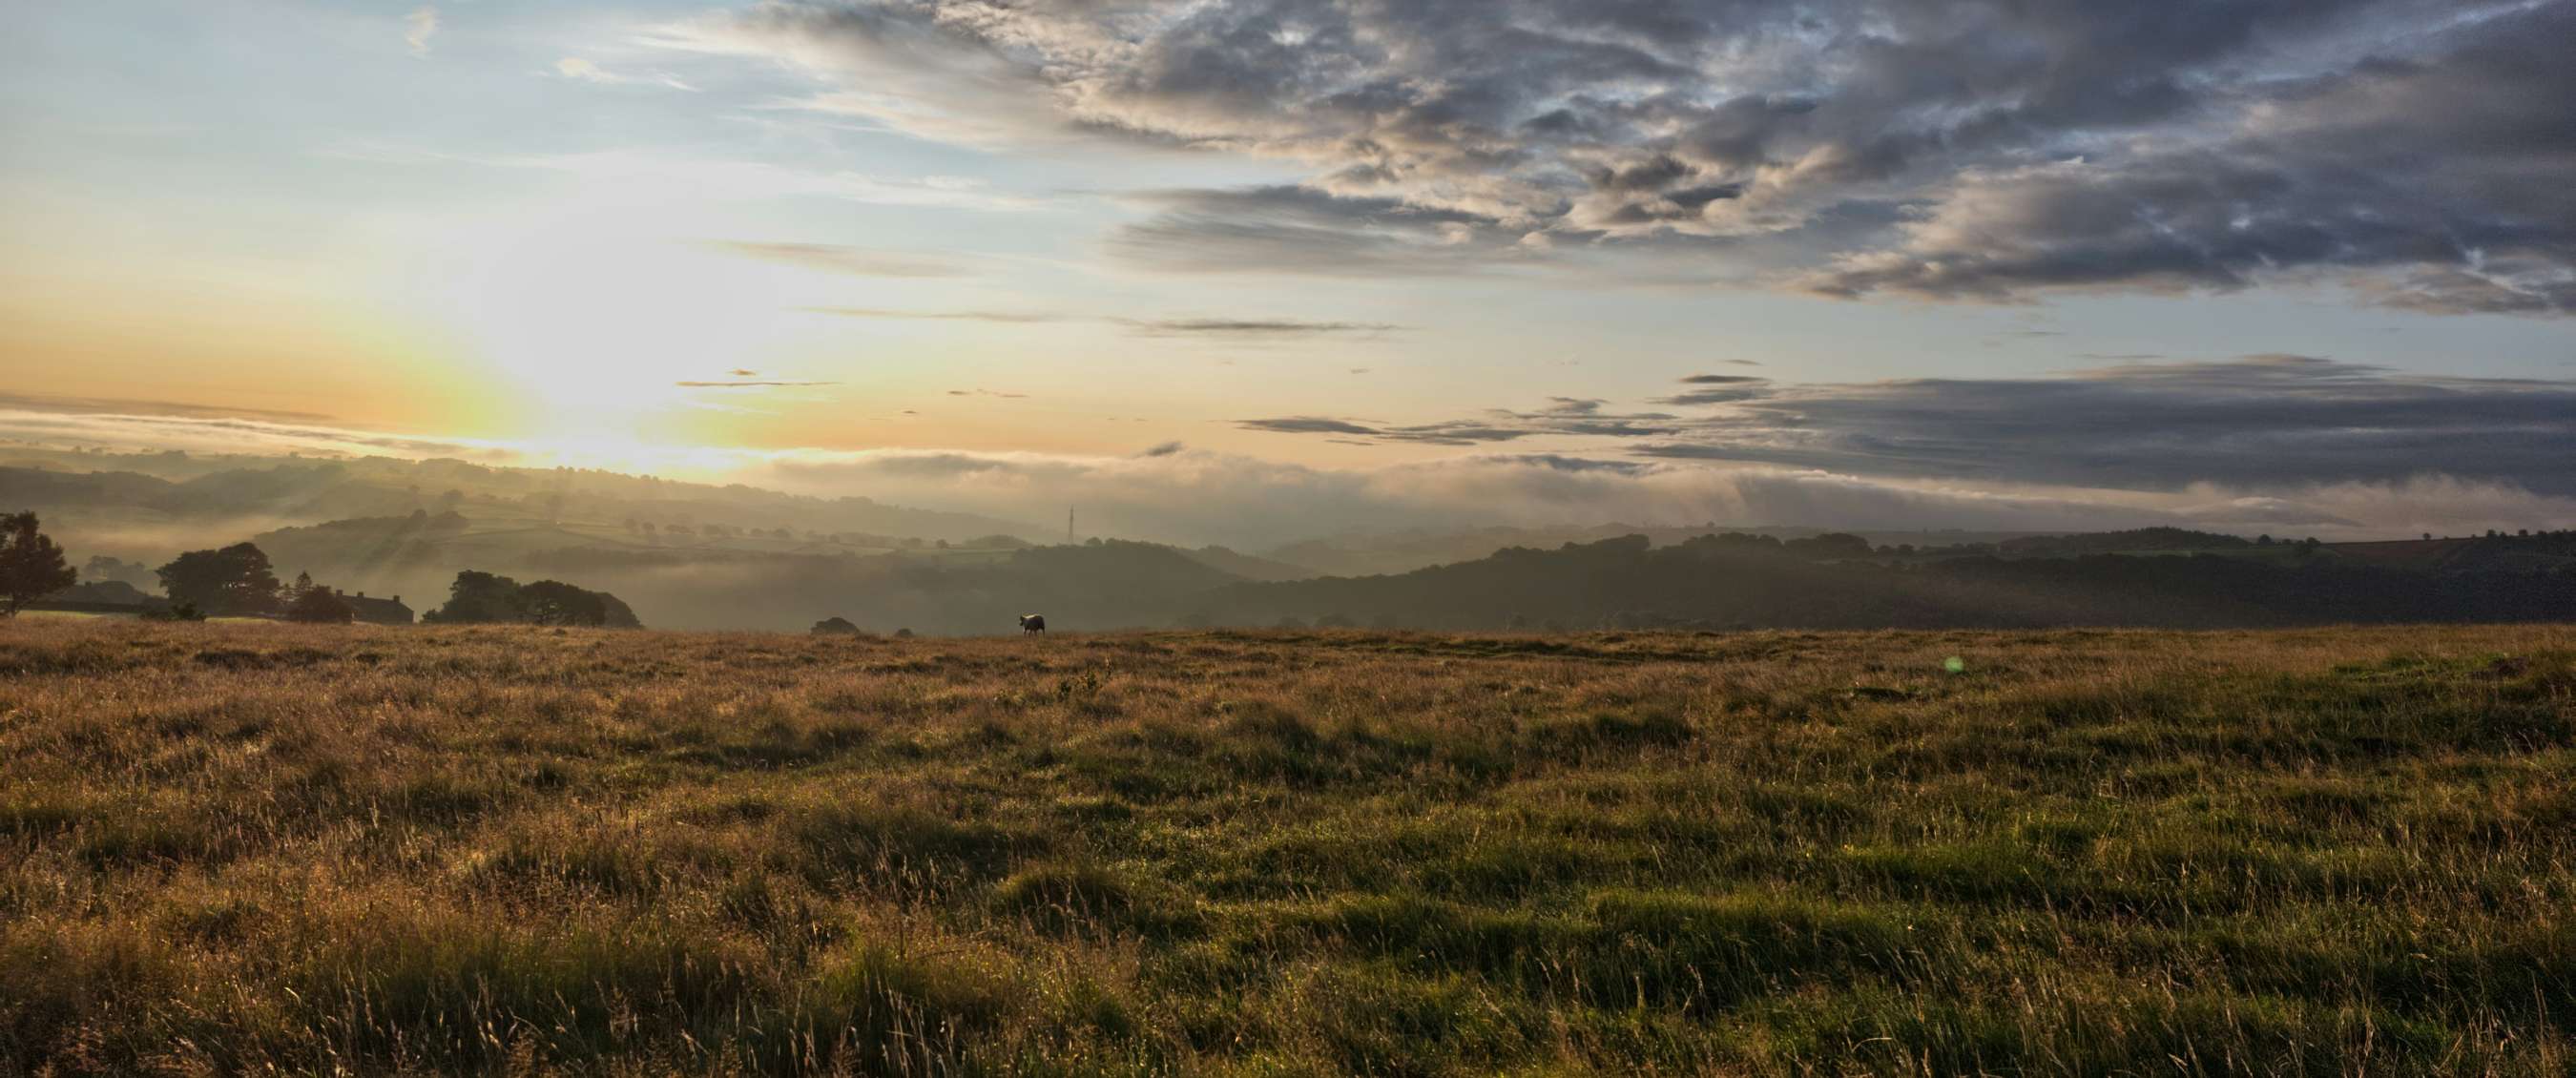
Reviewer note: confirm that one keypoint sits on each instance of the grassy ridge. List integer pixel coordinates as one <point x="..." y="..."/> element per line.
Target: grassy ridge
<point x="230" y="848"/>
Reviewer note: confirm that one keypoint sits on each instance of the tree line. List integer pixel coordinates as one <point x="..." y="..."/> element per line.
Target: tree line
<point x="240" y="581"/>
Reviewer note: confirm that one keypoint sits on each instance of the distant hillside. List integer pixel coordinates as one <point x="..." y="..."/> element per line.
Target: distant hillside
<point x="166" y="504"/>
<point x="698" y="580"/>
<point x="1745" y="581"/>
<point x="1248" y="566"/>
<point x="1370" y="554"/>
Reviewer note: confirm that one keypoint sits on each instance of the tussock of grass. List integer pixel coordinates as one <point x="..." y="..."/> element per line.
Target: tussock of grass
<point x="268" y="848"/>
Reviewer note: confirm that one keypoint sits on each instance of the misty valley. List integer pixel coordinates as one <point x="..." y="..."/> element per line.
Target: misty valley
<point x="684" y="555"/>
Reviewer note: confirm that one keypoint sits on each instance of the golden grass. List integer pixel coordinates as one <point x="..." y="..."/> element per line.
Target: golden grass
<point x="246" y="848"/>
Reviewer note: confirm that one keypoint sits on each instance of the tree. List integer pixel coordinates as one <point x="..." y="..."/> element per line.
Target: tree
<point x="553" y="602"/>
<point x="478" y="596"/>
<point x="1819" y="547"/>
<point x="31" y="565"/>
<point x="318" y="606"/>
<point x="234" y="580"/>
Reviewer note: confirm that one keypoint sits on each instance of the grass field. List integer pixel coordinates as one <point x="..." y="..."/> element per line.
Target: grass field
<point x="244" y="848"/>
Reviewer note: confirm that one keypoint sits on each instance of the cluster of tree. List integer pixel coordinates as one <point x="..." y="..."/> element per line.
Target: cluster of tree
<point x="240" y="580"/>
<point x="2118" y="542"/>
<point x="484" y="598"/>
<point x="233" y="580"/>
<point x="314" y="604"/>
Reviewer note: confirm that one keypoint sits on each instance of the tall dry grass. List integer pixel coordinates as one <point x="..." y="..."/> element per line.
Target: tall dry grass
<point x="231" y="849"/>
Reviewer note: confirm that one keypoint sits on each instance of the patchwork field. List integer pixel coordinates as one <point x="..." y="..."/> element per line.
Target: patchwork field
<point x="245" y="848"/>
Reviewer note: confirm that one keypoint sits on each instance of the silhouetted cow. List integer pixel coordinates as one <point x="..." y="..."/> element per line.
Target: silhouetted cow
<point x="1032" y="623"/>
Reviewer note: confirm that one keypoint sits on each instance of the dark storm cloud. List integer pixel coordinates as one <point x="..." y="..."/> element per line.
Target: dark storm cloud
<point x="1955" y="149"/>
<point x="2251" y="421"/>
<point x="2425" y="181"/>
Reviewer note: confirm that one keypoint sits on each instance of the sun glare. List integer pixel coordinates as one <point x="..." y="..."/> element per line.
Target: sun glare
<point x="588" y="324"/>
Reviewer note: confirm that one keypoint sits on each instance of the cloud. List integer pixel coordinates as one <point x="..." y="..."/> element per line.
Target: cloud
<point x="1299" y="230"/>
<point x="1718" y="389"/>
<point x="216" y="430"/>
<point x="419" y="27"/>
<point x="703" y="177"/>
<point x="856" y="261"/>
<point x="747" y="384"/>
<point x="2414" y="178"/>
<point x="1230" y="328"/>
<point x="1699" y="397"/>
<point x="1249" y="327"/>
<point x="2247" y="422"/>
<point x="1563" y="416"/>
<point x="1306" y="425"/>
<point x="2413" y="151"/>
<point x="1005" y="317"/>
<point x="32" y="404"/>
<point x="1196" y="496"/>
<point x="1174" y="493"/>
<point x="985" y="393"/>
<point x="579" y="69"/>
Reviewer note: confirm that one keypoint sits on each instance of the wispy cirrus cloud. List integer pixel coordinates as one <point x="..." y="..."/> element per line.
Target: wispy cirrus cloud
<point x="582" y="69"/>
<point x="737" y="178"/>
<point x="748" y="383"/>
<point x="1230" y="328"/>
<point x="855" y="261"/>
<point x="419" y="28"/>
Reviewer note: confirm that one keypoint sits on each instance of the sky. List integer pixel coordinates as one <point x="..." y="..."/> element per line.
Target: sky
<point x="1236" y="269"/>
